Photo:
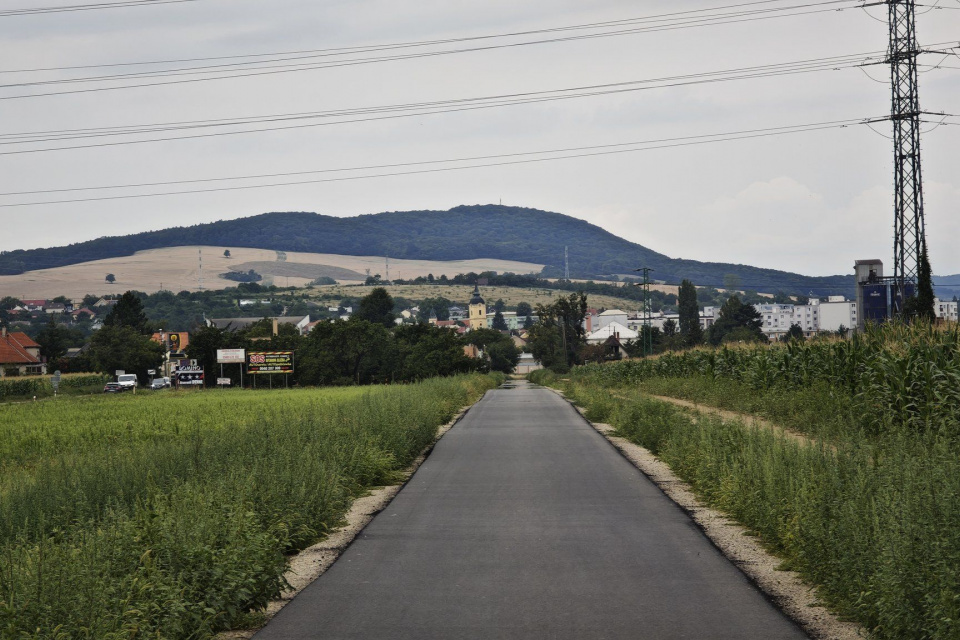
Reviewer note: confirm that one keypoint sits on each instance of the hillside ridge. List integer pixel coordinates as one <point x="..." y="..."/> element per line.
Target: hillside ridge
<point x="461" y="233"/>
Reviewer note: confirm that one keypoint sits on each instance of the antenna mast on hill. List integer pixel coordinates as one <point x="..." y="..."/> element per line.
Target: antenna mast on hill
<point x="388" y="268"/>
<point x="200" y="276"/>
<point x="566" y="263"/>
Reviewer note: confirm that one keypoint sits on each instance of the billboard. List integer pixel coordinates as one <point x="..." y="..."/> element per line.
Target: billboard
<point x="269" y="362"/>
<point x="191" y="377"/>
<point x="231" y="356"/>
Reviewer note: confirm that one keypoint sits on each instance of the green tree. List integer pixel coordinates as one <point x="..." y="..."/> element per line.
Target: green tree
<point x="500" y="305"/>
<point x="795" y="332"/>
<point x="439" y="305"/>
<point x="226" y="253"/>
<point x="89" y="300"/>
<point x="128" y="312"/>
<point x="121" y="347"/>
<point x="922" y="303"/>
<point x="689" y="309"/>
<point x="556" y="341"/>
<point x="377" y="307"/>
<point x="524" y="309"/>
<point x="504" y="356"/>
<point x="9" y="302"/>
<point x="498" y="322"/>
<point x="344" y="353"/>
<point x="501" y="352"/>
<point x="111" y="278"/>
<point x="54" y="339"/>
<point x="740" y="321"/>
<point x="546" y="345"/>
<point x="422" y="351"/>
<point x="670" y="328"/>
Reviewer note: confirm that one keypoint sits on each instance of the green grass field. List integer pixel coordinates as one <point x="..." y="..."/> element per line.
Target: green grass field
<point x="169" y="515"/>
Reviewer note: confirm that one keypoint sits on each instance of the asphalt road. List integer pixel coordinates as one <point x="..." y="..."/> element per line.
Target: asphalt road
<point x="524" y="522"/>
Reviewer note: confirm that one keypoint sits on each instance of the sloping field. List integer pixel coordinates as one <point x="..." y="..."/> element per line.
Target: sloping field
<point x="178" y="269"/>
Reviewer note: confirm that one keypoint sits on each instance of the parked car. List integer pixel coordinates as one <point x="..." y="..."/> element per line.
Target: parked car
<point x="114" y="387"/>
<point x="160" y="383"/>
<point x="127" y="380"/>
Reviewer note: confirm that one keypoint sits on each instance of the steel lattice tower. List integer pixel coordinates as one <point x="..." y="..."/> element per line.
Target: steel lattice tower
<point x="909" y="235"/>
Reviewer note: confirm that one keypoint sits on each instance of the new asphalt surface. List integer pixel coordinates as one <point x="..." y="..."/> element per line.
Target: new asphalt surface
<point x="524" y="522"/>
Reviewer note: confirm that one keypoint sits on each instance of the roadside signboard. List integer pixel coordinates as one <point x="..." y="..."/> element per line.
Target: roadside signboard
<point x="55" y="382"/>
<point x="231" y="356"/>
<point x="223" y="382"/>
<point x="270" y="362"/>
<point x="192" y="376"/>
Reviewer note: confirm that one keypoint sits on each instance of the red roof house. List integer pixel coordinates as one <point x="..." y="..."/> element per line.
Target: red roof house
<point x="19" y="352"/>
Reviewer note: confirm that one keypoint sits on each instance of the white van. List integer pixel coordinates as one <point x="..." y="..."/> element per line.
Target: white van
<point x="127" y="380"/>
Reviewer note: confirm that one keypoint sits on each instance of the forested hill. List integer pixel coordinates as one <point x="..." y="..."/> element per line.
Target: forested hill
<point x="462" y="233"/>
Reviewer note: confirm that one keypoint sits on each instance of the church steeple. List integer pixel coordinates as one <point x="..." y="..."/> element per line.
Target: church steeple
<point x="476" y="299"/>
<point x="478" y="310"/>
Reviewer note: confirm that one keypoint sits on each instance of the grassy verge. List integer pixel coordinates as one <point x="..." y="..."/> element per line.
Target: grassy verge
<point x="169" y="516"/>
<point x="874" y="522"/>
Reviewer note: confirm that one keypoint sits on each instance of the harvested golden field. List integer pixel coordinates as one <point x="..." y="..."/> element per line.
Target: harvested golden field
<point x="178" y="269"/>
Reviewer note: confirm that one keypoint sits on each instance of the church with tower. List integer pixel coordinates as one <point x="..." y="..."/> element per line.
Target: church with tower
<point x="478" y="310"/>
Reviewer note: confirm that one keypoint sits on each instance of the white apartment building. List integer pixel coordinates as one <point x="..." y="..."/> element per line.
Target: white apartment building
<point x="945" y="309"/>
<point x="608" y="316"/>
<point x="838" y="312"/>
<point x="778" y="318"/>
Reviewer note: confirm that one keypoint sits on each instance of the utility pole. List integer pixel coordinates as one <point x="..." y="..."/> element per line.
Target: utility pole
<point x="388" y="268"/>
<point x="646" y="328"/>
<point x="200" y="277"/>
<point x="566" y="263"/>
<point x="909" y="234"/>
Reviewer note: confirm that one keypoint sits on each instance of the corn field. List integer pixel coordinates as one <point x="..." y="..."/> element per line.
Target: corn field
<point x="40" y="386"/>
<point x="170" y="516"/>
<point x="868" y="509"/>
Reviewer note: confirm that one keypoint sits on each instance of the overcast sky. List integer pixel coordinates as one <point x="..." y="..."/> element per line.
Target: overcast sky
<point x="811" y="202"/>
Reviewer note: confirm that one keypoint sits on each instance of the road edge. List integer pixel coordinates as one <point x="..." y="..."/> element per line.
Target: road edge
<point x="785" y="589"/>
<point x="312" y="562"/>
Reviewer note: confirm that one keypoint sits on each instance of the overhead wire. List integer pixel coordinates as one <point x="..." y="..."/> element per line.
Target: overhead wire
<point x="479" y="162"/>
<point x="298" y="67"/>
<point x="88" y="7"/>
<point x="412" y="109"/>
<point x="420" y="43"/>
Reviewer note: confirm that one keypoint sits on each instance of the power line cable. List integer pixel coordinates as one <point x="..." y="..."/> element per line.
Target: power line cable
<point x="421" y="43"/>
<point x="4" y="13"/>
<point x="422" y="109"/>
<point x="294" y="68"/>
<point x="566" y="154"/>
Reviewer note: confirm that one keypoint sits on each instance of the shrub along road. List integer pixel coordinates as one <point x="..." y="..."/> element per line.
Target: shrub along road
<point x="525" y="522"/>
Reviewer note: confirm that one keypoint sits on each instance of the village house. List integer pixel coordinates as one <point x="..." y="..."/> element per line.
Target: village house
<point x="19" y="355"/>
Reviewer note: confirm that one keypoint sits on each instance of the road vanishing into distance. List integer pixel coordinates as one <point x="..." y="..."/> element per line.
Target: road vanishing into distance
<point x="524" y="522"/>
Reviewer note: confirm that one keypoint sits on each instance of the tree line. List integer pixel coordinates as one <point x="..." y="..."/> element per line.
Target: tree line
<point x="369" y="348"/>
